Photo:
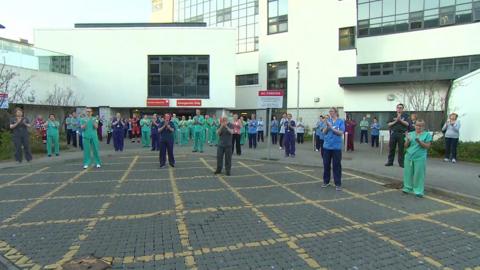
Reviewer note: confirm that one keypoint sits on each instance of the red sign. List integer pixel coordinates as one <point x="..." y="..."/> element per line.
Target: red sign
<point x="189" y="102"/>
<point x="270" y="93"/>
<point x="158" y="102"/>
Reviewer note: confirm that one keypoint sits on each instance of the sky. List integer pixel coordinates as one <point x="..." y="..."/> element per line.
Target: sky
<point x="21" y="17"/>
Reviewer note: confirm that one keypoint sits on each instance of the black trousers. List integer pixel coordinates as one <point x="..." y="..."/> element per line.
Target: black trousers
<point x="224" y="151"/>
<point x="319" y="144"/>
<point x="260" y="135"/>
<point x="274" y="138"/>
<point x="281" y="139"/>
<point x="396" y="138"/>
<point x="109" y="137"/>
<point x="363" y="133"/>
<point x="74" y="138"/>
<point x="375" y="140"/>
<point x="236" y="143"/>
<point x="69" y="136"/>
<point x="451" y="148"/>
<point x="300" y="137"/>
<point x="20" y="140"/>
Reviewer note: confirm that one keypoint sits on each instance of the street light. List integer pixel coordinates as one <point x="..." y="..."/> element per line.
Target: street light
<point x="298" y="90"/>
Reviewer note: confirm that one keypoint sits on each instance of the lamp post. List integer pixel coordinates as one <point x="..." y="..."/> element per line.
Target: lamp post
<point x="298" y="90"/>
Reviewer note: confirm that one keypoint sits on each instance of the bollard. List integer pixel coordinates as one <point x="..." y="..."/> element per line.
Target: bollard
<point x="382" y="138"/>
<point x="346" y="141"/>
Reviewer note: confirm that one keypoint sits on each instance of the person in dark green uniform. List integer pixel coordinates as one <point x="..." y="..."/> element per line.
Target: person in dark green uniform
<point x="243" y="131"/>
<point x="146" y="129"/>
<point x="398" y="126"/>
<point x="52" y="127"/>
<point x="417" y="143"/>
<point x="198" y="132"/>
<point x="183" y="131"/>
<point x="89" y="126"/>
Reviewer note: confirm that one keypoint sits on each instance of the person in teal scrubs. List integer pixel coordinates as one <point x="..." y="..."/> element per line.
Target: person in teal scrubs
<point x="198" y="132"/>
<point x="146" y="126"/>
<point x="417" y="144"/>
<point x="176" y="134"/>
<point x="89" y="126"/>
<point x="52" y="127"/>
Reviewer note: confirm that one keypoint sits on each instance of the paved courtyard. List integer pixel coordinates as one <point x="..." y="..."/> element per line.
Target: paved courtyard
<point x="265" y="216"/>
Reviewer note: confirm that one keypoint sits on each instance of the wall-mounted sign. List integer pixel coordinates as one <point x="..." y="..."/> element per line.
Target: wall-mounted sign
<point x="189" y="102"/>
<point x="270" y="99"/>
<point x="158" y="102"/>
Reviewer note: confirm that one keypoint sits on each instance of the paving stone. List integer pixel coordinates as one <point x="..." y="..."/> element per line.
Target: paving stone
<point x="314" y="191"/>
<point x="358" y="249"/>
<point x="408" y="203"/>
<point x="465" y="220"/>
<point x="223" y="228"/>
<point x="209" y="199"/>
<point x="199" y="184"/>
<point x="83" y="188"/>
<point x="362" y="211"/>
<point x="277" y="256"/>
<point x="48" y="178"/>
<point x="449" y="247"/>
<point x="301" y="219"/>
<point x="9" y="208"/>
<point x="24" y="192"/>
<point x="269" y="195"/>
<point x="145" y="187"/>
<point x="134" y="205"/>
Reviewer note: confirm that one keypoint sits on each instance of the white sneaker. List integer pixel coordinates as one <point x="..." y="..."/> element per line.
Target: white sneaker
<point x="316" y="150"/>
<point x="98" y="166"/>
<point x="454" y="161"/>
<point x="85" y="166"/>
<point x="446" y="160"/>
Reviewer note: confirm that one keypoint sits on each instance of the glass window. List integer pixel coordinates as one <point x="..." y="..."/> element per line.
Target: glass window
<point x="416" y="20"/>
<point x="416" y="5"/>
<point x="375" y="9"/>
<point x="463" y="13"/>
<point x="400" y="67"/>
<point x="388" y="7"/>
<point x="429" y="4"/>
<point x="375" y="69"/>
<point x="474" y="62"/>
<point x="415" y="66"/>
<point x="277" y="16"/>
<point x="429" y="65"/>
<point x="363" y="12"/>
<point x="180" y="76"/>
<point x="248" y="79"/>
<point x="387" y="69"/>
<point x="476" y="11"/>
<point x="445" y="64"/>
<point x="362" y="70"/>
<point x="461" y="64"/>
<point x="401" y="7"/>
<point x="445" y="3"/>
<point x="347" y="38"/>
<point x="277" y="78"/>
<point x="447" y="15"/>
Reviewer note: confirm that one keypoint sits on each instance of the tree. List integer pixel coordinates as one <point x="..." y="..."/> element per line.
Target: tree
<point x="64" y="97"/>
<point x="18" y="90"/>
<point x="426" y="99"/>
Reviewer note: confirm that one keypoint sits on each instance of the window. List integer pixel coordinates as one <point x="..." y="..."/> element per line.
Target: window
<point x="346" y="38"/>
<point x="248" y="79"/>
<point x="460" y="65"/>
<point x="277" y="76"/>
<point x="277" y="16"/>
<point x="178" y="76"/>
<point x="380" y="17"/>
<point x="224" y="15"/>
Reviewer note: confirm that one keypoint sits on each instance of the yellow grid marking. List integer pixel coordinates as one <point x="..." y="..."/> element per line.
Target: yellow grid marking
<point x="42" y="198"/>
<point x="16" y="257"/>
<point x="304" y="256"/>
<point x="181" y="225"/>
<point x="91" y="225"/>
<point x="22" y="177"/>
<point x="431" y="261"/>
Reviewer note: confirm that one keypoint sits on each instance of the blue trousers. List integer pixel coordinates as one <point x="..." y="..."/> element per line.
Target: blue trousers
<point x="252" y="140"/>
<point x="155" y="142"/>
<point x="335" y="156"/>
<point x="289" y="143"/>
<point x="80" y="140"/>
<point x="166" y="146"/>
<point x="118" y="139"/>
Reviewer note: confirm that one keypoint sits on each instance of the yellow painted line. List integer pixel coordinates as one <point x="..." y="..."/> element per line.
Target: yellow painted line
<point x="17" y="257"/>
<point x="304" y="256"/>
<point x="181" y="224"/>
<point x="42" y="198"/>
<point x="23" y="177"/>
<point x="75" y="247"/>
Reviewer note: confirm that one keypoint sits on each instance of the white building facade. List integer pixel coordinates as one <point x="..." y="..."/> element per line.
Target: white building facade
<point x="361" y="56"/>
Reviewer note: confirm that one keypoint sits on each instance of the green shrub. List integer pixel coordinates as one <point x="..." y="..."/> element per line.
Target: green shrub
<point x="466" y="151"/>
<point x="6" y="145"/>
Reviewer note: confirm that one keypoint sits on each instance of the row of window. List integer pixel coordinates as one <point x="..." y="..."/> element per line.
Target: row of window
<point x="240" y="14"/>
<point x="461" y="64"/>
<point x="247" y="79"/>
<point x="178" y="76"/>
<point x="391" y="16"/>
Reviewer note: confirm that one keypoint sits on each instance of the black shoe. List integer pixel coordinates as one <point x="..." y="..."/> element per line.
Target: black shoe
<point x="401" y="165"/>
<point x="388" y="164"/>
<point x="172" y="165"/>
<point x="49" y="155"/>
<point x="217" y="172"/>
<point x="194" y="151"/>
<point x="162" y="166"/>
<point x="228" y="173"/>
<point x="57" y="155"/>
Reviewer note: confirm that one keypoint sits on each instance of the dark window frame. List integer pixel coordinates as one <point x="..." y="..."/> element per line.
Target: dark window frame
<point x="246" y="79"/>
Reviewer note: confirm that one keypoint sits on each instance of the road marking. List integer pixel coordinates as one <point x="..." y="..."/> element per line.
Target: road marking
<point x="23" y="177"/>
<point x="75" y="247"/>
<point x="291" y="244"/>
